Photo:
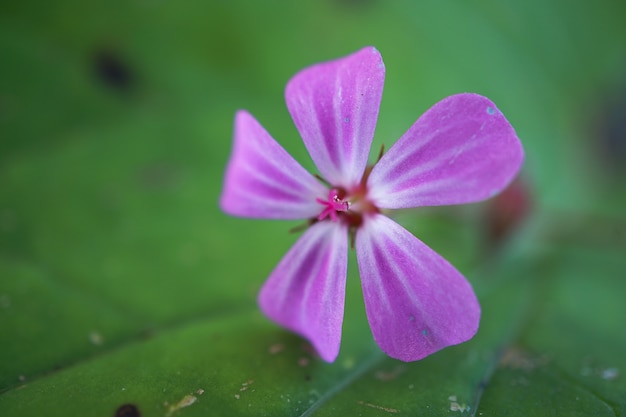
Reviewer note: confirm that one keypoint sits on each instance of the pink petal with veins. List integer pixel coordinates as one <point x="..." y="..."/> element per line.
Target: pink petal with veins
<point x="416" y="302"/>
<point x="335" y="107"/>
<point x="263" y="180"/>
<point x="461" y="150"/>
<point x="306" y="291"/>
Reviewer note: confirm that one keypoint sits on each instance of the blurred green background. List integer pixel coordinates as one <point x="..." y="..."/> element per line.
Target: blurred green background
<point x="124" y="291"/>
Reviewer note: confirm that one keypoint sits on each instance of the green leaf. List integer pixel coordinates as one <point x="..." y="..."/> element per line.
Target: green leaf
<point x="123" y="287"/>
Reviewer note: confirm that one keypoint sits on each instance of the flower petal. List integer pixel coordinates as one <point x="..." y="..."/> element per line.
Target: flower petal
<point x="461" y="150"/>
<point x="306" y="291"/>
<point x="416" y="302"/>
<point x="335" y="107"/>
<point x="263" y="180"/>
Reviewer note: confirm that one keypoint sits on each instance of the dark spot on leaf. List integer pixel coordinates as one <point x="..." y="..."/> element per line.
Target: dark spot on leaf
<point x="307" y="377"/>
<point x="127" y="410"/>
<point x="112" y="71"/>
<point x="611" y="130"/>
<point x="483" y="384"/>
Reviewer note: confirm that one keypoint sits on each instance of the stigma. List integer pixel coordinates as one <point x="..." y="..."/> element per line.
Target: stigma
<point x="333" y="205"/>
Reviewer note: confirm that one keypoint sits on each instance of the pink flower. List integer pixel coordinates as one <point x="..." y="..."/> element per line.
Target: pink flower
<point x="461" y="150"/>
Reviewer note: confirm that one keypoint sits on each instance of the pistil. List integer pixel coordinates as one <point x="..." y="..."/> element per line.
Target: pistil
<point x="333" y="204"/>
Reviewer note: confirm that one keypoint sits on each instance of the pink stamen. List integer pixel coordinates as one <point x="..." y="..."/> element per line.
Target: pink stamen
<point x="332" y="205"/>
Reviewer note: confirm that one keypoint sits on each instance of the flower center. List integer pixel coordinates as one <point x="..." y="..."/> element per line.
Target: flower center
<point x="347" y="207"/>
<point x="333" y="204"/>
